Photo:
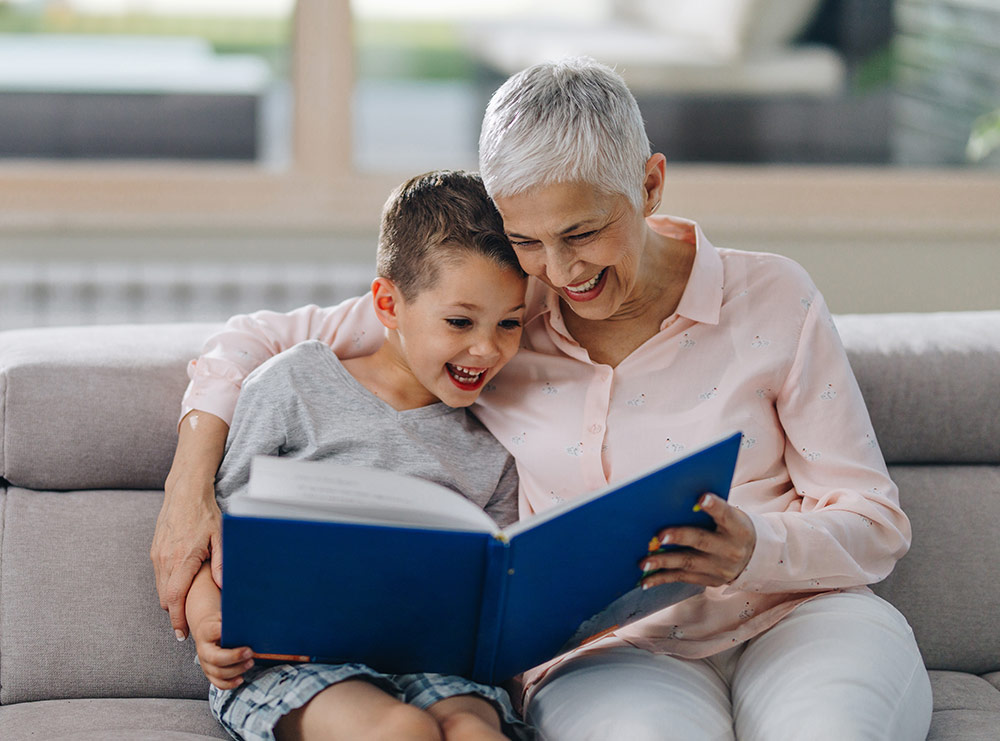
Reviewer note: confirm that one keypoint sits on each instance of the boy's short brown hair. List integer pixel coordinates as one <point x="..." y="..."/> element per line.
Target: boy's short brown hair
<point x="436" y="217"/>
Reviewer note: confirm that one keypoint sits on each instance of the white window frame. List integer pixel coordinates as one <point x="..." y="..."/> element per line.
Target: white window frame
<point x="322" y="191"/>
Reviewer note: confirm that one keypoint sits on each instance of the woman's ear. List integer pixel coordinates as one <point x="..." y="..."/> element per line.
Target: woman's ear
<point x="652" y="185"/>
<point x="386" y="298"/>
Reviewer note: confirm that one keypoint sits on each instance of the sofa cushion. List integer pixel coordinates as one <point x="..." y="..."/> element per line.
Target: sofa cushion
<point x="110" y="720"/>
<point x="964" y="725"/>
<point x="946" y="585"/>
<point x="963" y="691"/>
<point x="930" y="382"/>
<point x="966" y="707"/>
<point x="79" y="613"/>
<point x="93" y="407"/>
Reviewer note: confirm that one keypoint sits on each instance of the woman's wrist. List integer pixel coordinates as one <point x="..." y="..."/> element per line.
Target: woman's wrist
<point x="201" y="441"/>
<point x="189" y="483"/>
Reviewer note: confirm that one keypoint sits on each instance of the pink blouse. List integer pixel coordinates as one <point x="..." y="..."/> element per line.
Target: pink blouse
<point x="751" y="347"/>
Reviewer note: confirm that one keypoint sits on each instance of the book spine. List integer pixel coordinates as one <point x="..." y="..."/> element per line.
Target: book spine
<point x="491" y="613"/>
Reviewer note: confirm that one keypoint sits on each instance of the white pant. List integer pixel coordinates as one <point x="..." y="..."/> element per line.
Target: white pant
<point x="843" y="667"/>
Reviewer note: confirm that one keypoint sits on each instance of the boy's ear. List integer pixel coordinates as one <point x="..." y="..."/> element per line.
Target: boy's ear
<point x="386" y="298"/>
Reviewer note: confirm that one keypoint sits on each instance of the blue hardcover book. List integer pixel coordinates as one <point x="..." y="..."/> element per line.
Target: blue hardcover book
<point x="334" y="563"/>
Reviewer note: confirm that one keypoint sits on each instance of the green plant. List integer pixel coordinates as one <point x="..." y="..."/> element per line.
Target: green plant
<point x="984" y="138"/>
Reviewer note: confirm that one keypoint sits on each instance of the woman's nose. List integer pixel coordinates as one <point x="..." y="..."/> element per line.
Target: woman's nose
<point x="559" y="264"/>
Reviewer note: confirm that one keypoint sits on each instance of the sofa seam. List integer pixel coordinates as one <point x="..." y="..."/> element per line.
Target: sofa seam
<point x="4" y="385"/>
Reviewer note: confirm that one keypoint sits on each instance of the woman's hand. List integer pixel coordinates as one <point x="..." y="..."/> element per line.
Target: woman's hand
<point x="188" y="528"/>
<point x="188" y="533"/>
<point x="703" y="556"/>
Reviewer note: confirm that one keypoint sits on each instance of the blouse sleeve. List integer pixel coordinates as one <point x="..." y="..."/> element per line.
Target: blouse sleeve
<point x="247" y="340"/>
<point x="842" y="525"/>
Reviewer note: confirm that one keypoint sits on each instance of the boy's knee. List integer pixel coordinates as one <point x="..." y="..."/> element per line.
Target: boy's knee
<point x="462" y="724"/>
<point x="406" y="721"/>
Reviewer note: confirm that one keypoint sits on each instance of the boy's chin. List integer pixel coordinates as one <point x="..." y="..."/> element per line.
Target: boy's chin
<point x="460" y="403"/>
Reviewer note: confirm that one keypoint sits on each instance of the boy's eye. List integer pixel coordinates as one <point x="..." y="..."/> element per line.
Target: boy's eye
<point x="510" y="324"/>
<point x="582" y="236"/>
<point x="459" y="323"/>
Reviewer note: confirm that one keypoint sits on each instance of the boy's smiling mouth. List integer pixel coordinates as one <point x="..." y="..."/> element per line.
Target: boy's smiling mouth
<point x="466" y="378"/>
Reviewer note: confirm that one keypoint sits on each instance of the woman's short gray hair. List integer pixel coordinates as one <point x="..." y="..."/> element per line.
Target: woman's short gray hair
<point x="573" y="120"/>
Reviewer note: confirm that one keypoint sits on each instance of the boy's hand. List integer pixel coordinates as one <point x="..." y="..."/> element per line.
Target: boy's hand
<point x="224" y="667"/>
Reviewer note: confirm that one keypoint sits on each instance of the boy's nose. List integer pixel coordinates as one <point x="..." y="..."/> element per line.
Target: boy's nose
<point x="485" y="347"/>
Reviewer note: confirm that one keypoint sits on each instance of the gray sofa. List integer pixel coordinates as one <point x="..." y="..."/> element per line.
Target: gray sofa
<point x="87" y="430"/>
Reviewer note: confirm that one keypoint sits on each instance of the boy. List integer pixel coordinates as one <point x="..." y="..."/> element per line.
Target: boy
<point x="450" y="294"/>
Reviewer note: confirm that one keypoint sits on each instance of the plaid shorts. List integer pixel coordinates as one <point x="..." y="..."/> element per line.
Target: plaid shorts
<point x="251" y="711"/>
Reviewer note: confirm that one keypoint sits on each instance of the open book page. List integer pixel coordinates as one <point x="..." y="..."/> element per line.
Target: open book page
<point x="297" y="489"/>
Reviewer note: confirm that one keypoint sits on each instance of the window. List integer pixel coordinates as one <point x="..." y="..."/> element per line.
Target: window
<point x="115" y="79"/>
<point x="834" y="217"/>
<point x="309" y="182"/>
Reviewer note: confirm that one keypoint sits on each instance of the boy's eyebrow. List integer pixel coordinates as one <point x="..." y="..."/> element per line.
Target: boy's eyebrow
<point x="475" y="307"/>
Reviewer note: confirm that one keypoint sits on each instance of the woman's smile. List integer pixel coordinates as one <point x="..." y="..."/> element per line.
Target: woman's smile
<point x="587" y="290"/>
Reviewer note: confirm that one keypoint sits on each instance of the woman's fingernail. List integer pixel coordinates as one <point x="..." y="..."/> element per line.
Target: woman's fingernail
<point x="704" y="503"/>
<point x="179" y="634"/>
<point x="665" y="540"/>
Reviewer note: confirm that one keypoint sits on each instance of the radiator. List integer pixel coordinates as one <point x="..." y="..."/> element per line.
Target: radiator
<point x="40" y="294"/>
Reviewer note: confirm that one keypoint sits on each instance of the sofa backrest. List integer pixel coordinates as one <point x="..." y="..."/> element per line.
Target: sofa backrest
<point x="932" y="385"/>
<point x="88" y="426"/>
<point x="93" y="407"/>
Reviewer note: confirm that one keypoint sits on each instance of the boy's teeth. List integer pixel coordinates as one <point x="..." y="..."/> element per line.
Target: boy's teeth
<point x="466" y="375"/>
<point x="583" y="288"/>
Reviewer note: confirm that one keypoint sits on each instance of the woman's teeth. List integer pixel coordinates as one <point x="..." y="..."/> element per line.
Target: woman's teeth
<point x="465" y="375"/>
<point x="588" y="286"/>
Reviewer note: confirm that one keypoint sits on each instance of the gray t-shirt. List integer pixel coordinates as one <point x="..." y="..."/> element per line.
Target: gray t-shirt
<point x="304" y="404"/>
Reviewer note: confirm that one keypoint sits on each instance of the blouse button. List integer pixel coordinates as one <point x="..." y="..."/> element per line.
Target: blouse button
<point x="596" y="428"/>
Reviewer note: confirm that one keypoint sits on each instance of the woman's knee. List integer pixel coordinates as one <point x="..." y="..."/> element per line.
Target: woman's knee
<point x="630" y="693"/>
<point x="843" y="666"/>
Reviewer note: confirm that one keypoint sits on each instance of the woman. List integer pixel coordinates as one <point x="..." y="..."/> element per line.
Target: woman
<point x="644" y="340"/>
